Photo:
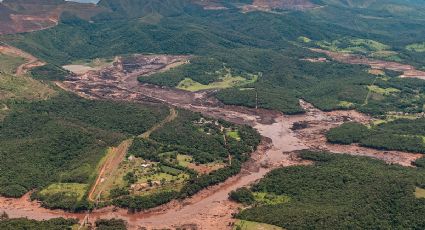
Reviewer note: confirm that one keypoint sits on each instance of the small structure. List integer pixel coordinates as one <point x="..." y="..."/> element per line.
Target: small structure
<point x="145" y="165"/>
<point x="131" y="158"/>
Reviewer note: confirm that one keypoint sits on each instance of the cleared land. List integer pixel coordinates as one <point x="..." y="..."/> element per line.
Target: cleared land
<point x="419" y="192"/>
<point x="408" y="70"/>
<point x="251" y="225"/>
<point x="114" y="166"/>
<point x="226" y="81"/>
<point x="30" y="60"/>
<point x="70" y="189"/>
<point x="108" y="169"/>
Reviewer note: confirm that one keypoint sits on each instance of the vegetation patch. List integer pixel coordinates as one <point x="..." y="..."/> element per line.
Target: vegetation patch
<point x="398" y="134"/>
<point x="172" y="164"/>
<point x="387" y="91"/>
<point x="419" y="192"/>
<point x="62" y="139"/>
<point x="416" y="47"/>
<point x="251" y="225"/>
<point x="346" y="104"/>
<point x="23" y="223"/>
<point x="265" y="198"/>
<point x="353" y="45"/>
<point x="225" y="82"/>
<point x="184" y="160"/>
<point x="10" y="63"/>
<point x="338" y="192"/>
<point x="70" y="189"/>
<point x="233" y="134"/>
<point x="13" y="88"/>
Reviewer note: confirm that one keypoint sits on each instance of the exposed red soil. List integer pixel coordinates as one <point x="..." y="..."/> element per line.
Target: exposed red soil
<point x="210" y="209"/>
<point x="28" y="16"/>
<point x="407" y="70"/>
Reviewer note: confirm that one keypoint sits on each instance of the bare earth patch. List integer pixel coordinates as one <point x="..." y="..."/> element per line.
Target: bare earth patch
<point x="407" y="70"/>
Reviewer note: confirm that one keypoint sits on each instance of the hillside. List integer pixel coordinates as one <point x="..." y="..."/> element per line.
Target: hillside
<point x="27" y="16"/>
<point x="146" y="105"/>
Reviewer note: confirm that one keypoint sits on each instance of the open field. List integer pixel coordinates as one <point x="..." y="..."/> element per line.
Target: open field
<point x="233" y="134"/>
<point x="23" y="88"/>
<point x="251" y="225"/>
<point x="419" y="192"/>
<point x="70" y="189"/>
<point x="108" y="169"/>
<point x="264" y="198"/>
<point x="387" y="91"/>
<point x="417" y="47"/>
<point x="30" y="61"/>
<point x="10" y="63"/>
<point x="227" y="81"/>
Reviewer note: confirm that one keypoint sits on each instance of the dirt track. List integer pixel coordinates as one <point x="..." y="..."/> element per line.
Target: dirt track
<point x="113" y="158"/>
<point x="211" y="209"/>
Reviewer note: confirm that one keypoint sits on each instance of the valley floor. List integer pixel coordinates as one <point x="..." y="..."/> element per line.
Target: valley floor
<point x="211" y="209"/>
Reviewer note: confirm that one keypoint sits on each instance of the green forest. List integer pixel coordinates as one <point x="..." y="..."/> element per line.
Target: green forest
<point x="340" y="192"/>
<point x="218" y="38"/>
<point x="55" y="143"/>
<point x="63" y="138"/>
<point x="401" y="134"/>
<point x="23" y="224"/>
<point x="56" y="224"/>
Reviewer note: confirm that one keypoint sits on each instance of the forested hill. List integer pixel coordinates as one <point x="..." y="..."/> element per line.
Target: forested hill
<point x="253" y="37"/>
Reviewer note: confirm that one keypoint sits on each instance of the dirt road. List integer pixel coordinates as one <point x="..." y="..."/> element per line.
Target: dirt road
<point x="111" y="163"/>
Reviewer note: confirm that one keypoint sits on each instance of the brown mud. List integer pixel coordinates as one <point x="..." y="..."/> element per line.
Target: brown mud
<point x="407" y="70"/>
<point x="209" y="209"/>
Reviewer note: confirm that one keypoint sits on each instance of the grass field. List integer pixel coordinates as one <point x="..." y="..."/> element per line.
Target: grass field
<point x="184" y="160"/>
<point x="269" y="198"/>
<point x="416" y="47"/>
<point x="251" y="225"/>
<point x="233" y="134"/>
<point x="226" y="82"/>
<point x="70" y="189"/>
<point x="346" y="104"/>
<point x="387" y="91"/>
<point x="23" y="88"/>
<point x="10" y="63"/>
<point x="419" y="192"/>
<point x="353" y="45"/>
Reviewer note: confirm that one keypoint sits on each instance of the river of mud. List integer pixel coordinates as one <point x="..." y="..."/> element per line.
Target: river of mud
<point x="211" y="209"/>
